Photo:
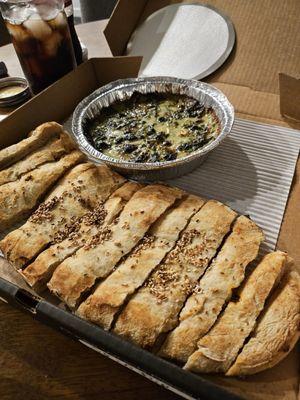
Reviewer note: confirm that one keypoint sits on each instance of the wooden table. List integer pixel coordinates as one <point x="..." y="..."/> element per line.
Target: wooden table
<point x="38" y="363"/>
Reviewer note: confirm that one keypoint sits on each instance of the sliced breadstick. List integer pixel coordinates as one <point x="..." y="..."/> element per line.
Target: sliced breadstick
<point x="78" y="192"/>
<point x="52" y="151"/>
<point x="19" y="198"/>
<point x="226" y="273"/>
<point x="38" y="138"/>
<point x="219" y="348"/>
<point x="40" y="271"/>
<point x="277" y="331"/>
<point x="110" y="294"/>
<point x="154" y="308"/>
<point x="100" y="255"/>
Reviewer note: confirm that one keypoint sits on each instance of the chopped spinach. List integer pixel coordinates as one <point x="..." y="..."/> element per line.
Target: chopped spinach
<point x="153" y="128"/>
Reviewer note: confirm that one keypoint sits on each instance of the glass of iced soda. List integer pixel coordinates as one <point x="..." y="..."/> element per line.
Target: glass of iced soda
<point x="42" y="40"/>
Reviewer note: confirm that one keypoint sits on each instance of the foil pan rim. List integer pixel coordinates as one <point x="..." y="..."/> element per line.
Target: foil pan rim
<point x="128" y="85"/>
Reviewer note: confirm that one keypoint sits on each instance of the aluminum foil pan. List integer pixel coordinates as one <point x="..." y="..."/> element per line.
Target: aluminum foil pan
<point x="123" y="89"/>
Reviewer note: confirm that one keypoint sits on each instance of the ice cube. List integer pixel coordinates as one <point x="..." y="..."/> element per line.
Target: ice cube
<point x="17" y="32"/>
<point x="47" y="11"/>
<point x="59" y="22"/>
<point x="17" y="15"/>
<point x="37" y="27"/>
<point x="51" y="44"/>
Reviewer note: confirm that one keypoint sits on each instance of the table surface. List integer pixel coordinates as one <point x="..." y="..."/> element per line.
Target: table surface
<point x="38" y="363"/>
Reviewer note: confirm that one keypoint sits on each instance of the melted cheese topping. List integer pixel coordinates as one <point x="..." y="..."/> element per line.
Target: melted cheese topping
<point x="153" y="128"/>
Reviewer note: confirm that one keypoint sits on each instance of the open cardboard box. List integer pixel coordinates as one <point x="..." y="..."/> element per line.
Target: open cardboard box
<point x="255" y="95"/>
<point x="259" y="78"/>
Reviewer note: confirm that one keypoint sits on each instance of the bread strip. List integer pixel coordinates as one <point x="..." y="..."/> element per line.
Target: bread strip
<point x="277" y="331"/>
<point x="102" y="181"/>
<point x="78" y="192"/>
<point x="19" y="198"/>
<point x="219" y="348"/>
<point x="39" y="137"/>
<point x="154" y="308"/>
<point x="40" y="271"/>
<point x="226" y="272"/>
<point x="100" y="255"/>
<point x="52" y="151"/>
<point x="110" y="294"/>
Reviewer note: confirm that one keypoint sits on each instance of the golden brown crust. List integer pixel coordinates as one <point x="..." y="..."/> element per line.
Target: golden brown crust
<point x="39" y="137"/>
<point x="226" y="272"/>
<point x="109" y="296"/>
<point x="97" y="259"/>
<point x="80" y="190"/>
<point x="218" y="349"/>
<point x="277" y="331"/>
<point x="38" y="273"/>
<point x="102" y="181"/>
<point x="89" y="232"/>
<point x="154" y="308"/>
<point x="19" y="198"/>
<point x="52" y="151"/>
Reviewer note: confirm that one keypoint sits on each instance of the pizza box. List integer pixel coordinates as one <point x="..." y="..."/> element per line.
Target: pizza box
<point x="256" y="96"/>
<point x="261" y="79"/>
<point x="57" y="103"/>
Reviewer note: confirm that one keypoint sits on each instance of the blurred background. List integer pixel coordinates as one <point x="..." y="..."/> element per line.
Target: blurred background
<point x="84" y="11"/>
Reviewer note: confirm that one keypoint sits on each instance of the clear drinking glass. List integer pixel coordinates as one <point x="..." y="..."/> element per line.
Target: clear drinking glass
<point x="41" y="37"/>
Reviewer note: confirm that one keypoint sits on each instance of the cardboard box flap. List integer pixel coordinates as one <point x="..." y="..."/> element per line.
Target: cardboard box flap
<point x="289" y="96"/>
<point x="122" y="23"/>
<point x="258" y="43"/>
<point x="102" y="71"/>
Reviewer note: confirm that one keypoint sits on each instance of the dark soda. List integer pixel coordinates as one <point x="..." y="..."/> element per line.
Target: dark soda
<point x="44" y="48"/>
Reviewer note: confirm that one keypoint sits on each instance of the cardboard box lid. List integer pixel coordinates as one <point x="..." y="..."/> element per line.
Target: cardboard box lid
<point x="267" y="43"/>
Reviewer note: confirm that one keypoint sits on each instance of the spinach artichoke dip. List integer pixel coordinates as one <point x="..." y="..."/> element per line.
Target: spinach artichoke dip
<point x="153" y="128"/>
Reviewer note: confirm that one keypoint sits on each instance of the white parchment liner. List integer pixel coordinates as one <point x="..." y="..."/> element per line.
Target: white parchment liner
<point x="251" y="171"/>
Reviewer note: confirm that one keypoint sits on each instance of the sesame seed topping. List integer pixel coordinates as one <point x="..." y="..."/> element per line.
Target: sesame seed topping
<point x="144" y="244"/>
<point x="43" y="213"/>
<point x="100" y="237"/>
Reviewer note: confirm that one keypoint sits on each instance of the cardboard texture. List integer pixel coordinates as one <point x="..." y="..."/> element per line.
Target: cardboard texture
<point x="289" y="96"/>
<point x="266" y="45"/>
<point x="267" y="41"/>
<point x="59" y="100"/>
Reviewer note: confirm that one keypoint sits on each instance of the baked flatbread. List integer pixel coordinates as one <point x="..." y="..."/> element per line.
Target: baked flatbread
<point x="40" y="271"/>
<point x="99" y="256"/>
<point x="226" y="273"/>
<point x="77" y="193"/>
<point x="277" y="330"/>
<point x="219" y="348"/>
<point x="19" y="198"/>
<point x="154" y="308"/>
<point x="102" y="182"/>
<point x="54" y="149"/>
<point x="110" y="294"/>
<point x="39" y="137"/>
